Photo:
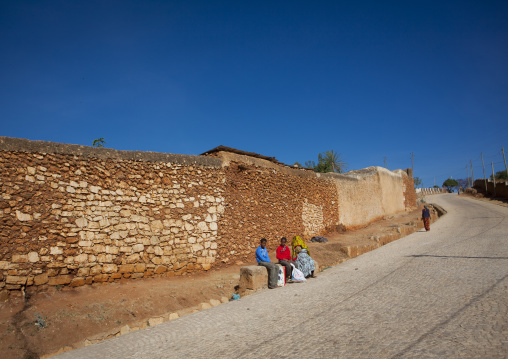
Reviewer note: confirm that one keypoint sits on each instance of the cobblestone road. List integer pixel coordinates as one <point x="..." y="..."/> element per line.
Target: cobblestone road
<point x="437" y="294"/>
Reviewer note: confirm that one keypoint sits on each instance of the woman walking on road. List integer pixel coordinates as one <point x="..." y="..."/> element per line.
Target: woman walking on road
<point x="426" y="217"/>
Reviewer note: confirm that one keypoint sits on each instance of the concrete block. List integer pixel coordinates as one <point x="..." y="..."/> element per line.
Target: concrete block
<point x="252" y="278"/>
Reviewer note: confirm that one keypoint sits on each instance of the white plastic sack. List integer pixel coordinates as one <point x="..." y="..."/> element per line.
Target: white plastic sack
<point x="281" y="280"/>
<point x="298" y="275"/>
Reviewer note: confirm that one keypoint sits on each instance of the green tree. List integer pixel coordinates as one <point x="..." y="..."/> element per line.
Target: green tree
<point x="450" y="183"/>
<point x="297" y="164"/>
<point x="99" y="142"/>
<point x="436" y="186"/>
<point x="310" y="164"/>
<point x="501" y="175"/>
<point x="418" y="181"/>
<point x="330" y="161"/>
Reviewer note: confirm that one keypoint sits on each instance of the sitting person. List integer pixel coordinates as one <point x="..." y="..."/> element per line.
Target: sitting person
<point x="301" y="257"/>
<point x="263" y="260"/>
<point x="284" y="257"/>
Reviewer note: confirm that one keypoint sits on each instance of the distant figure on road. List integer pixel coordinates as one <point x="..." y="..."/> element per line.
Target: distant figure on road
<point x="301" y="257"/>
<point x="263" y="260"/>
<point x="426" y="217"/>
<point x="284" y="257"/>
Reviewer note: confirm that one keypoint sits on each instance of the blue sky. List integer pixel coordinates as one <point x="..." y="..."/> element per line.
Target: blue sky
<point x="290" y="79"/>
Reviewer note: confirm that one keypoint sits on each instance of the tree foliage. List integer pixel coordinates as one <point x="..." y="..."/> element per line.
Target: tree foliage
<point x="418" y="181"/>
<point x="450" y="183"/>
<point x="310" y="164"/>
<point x="463" y="183"/>
<point x="501" y="175"/>
<point x="99" y="142"/>
<point x="329" y="161"/>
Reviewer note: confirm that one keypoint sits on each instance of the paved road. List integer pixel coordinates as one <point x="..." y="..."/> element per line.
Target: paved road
<point x="440" y="294"/>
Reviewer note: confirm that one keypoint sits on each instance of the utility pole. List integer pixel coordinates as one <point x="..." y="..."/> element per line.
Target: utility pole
<point x="484" y="178"/>
<point x="493" y="178"/>
<point x="472" y="175"/>
<point x="412" y="170"/>
<point x="504" y="157"/>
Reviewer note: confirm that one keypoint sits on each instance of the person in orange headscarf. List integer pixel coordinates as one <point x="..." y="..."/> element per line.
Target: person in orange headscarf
<point x="301" y="257"/>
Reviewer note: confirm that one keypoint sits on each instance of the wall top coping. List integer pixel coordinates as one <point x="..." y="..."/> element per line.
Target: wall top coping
<point x="364" y="172"/>
<point x="43" y="147"/>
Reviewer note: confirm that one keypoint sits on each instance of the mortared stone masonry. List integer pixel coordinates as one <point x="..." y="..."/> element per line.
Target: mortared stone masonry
<point x="75" y="215"/>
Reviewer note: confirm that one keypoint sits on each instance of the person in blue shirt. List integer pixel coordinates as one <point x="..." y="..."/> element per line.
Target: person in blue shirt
<point x="263" y="260"/>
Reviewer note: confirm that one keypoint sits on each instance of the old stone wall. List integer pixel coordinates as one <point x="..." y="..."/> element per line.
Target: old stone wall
<point x="68" y="219"/>
<point x="501" y="189"/>
<point x="410" y="196"/>
<point x="359" y="198"/>
<point x="369" y="194"/>
<point x="74" y="215"/>
<point x="264" y="202"/>
<point x="392" y="190"/>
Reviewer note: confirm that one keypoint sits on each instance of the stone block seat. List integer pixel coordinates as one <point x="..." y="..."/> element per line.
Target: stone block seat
<point x="252" y="278"/>
<point x="255" y="277"/>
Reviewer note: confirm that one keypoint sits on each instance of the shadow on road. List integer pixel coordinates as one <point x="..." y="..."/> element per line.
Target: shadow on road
<point x="466" y="257"/>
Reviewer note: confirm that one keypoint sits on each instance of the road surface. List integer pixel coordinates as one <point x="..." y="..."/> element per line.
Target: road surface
<point x="436" y="294"/>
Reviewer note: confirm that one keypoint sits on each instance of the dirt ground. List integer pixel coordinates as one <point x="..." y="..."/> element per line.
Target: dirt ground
<point x="67" y="318"/>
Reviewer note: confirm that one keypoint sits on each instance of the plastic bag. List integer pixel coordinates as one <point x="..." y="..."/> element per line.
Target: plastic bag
<point x="281" y="280"/>
<point x="298" y="275"/>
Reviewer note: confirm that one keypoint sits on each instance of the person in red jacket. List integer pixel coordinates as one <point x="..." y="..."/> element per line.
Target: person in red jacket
<point x="284" y="257"/>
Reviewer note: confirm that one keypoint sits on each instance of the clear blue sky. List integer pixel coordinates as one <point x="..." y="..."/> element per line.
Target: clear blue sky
<point x="290" y="79"/>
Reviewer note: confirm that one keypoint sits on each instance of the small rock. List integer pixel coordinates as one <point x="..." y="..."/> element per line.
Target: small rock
<point x="155" y="321"/>
<point x="125" y="329"/>
<point x="215" y="302"/>
<point x="205" y="306"/>
<point x="138" y="247"/>
<point x="23" y="216"/>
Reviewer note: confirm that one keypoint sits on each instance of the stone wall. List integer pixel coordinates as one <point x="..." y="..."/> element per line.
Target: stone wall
<point x="74" y="215"/>
<point x="410" y="196"/>
<point x="392" y="190"/>
<point x="501" y="189"/>
<point x="69" y="219"/>
<point x="367" y="195"/>
<point x="265" y="202"/>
